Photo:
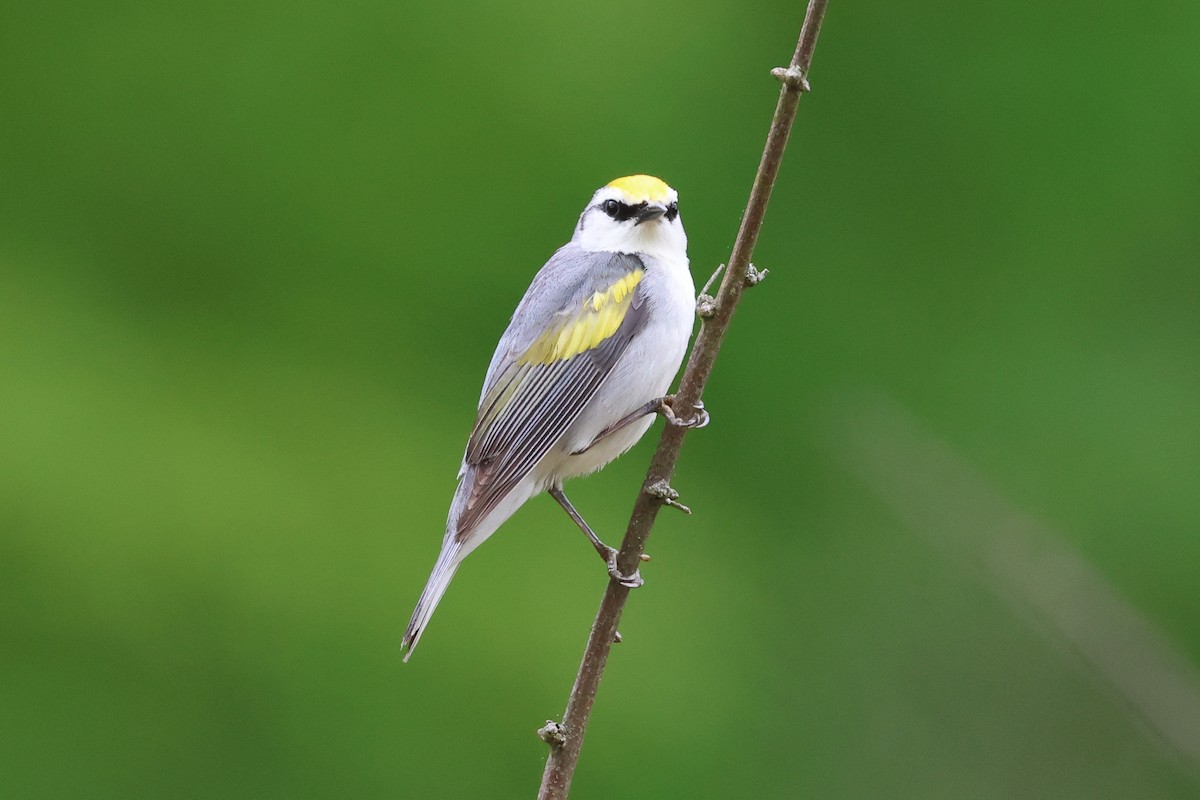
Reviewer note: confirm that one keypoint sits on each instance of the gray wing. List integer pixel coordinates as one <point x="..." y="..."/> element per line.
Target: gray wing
<point x="568" y="332"/>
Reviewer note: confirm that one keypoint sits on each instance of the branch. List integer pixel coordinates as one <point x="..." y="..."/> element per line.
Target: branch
<point x="567" y="738"/>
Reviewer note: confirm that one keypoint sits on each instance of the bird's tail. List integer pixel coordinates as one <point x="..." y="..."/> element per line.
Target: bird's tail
<point x="447" y="564"/>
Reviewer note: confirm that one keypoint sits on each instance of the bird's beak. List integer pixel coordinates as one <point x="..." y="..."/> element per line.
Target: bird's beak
<point x="651" y="211"/>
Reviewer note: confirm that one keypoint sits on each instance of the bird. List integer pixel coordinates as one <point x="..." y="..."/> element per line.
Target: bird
<point x="578" y="376"/>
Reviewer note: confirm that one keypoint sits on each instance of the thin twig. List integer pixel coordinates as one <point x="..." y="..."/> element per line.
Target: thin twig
<point x="566" y="744"/>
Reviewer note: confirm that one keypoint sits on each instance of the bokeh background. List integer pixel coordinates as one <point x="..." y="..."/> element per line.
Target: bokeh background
<point x="253" y="262"/>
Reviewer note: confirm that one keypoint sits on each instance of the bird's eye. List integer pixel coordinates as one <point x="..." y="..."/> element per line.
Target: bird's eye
<point x="672" y="211"/>
<point x="611" y="207"/>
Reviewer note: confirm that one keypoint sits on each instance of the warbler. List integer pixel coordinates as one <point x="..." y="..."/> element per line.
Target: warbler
<point x="579" y="374"/>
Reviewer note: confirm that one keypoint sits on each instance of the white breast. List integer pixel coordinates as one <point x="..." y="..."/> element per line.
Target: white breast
<point x="644" y="372"/>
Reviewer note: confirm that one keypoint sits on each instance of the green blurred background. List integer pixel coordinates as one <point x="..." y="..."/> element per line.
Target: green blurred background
<point x="253" y="262"/>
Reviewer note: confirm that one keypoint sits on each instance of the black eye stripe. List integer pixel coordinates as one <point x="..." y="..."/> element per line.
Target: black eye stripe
<point x="620" y="211"/>
<point x="624" y="211"/>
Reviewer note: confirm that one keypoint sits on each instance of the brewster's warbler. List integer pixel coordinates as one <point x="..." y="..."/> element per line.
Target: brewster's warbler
<point x="579" y="374"/>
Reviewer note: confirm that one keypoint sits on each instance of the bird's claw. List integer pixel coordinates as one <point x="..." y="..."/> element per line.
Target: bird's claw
<point x="697" y="420"/>
<point x="628" y="581"/>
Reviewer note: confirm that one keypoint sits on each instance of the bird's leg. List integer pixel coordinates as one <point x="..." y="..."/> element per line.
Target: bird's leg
<point x="609" y="554"/>
<point x="659" y="405"/>
<point x="639" y="412"/>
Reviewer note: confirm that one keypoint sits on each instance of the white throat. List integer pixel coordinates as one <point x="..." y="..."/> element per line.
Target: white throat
<point x="660" y="238"/>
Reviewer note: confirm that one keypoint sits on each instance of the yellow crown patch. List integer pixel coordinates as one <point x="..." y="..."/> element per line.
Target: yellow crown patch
<point x="642" y="188"/>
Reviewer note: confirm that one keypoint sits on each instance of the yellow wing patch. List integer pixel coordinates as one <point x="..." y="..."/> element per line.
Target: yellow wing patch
<point x="596" y="320"/>
<point x="642" y="188"/>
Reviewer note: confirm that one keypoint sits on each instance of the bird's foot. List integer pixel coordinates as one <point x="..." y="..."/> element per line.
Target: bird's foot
<point x="628" y="581"/>
<point x="696" y="420"/>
